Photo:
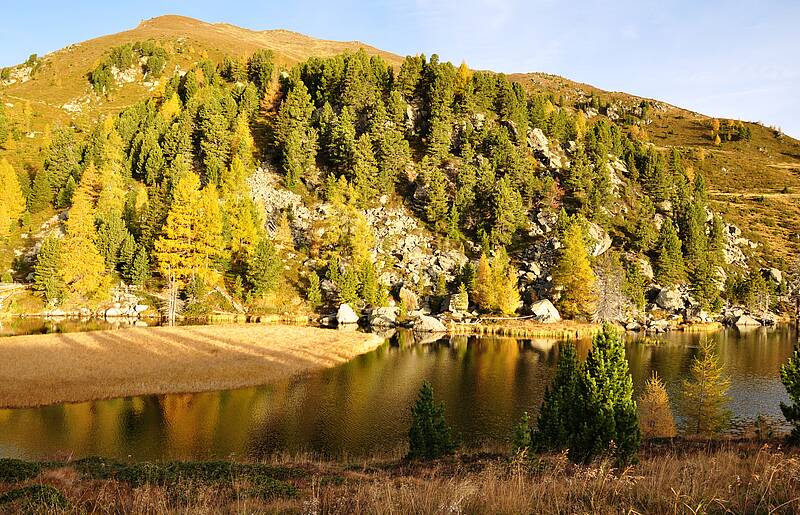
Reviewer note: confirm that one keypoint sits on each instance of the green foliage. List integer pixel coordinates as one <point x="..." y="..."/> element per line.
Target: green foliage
<point x="521" y="439"/>
<point x="790" y="377"/>
<point x="47" y="278"/>
<point x="139" y="270"/>
<point x="608" y="423"/>
<point x="259" y="70"/>
<point x="429" y="436"/>
<point x="669" y="265"/>
<point x="558" y="418"/>
<point x="313" y="292"/>
<point x="36" y="498"/>
<point x="263" y="268"/>
<point x="14" y="471"/>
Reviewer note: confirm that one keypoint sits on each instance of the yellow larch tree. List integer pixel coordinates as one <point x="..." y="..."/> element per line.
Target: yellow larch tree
<point x="573" y="276"/>
<point x="12" y="202"/>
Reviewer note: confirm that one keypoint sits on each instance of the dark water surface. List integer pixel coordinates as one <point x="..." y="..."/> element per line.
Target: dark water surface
<point x="363" y="406"/>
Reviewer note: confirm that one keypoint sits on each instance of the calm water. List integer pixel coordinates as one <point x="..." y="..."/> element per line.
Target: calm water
<point x="363" y="406"/>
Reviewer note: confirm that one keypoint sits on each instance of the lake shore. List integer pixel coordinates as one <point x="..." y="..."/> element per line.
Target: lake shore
<point x="672" y="476"/>
<point x="37" y="370"/>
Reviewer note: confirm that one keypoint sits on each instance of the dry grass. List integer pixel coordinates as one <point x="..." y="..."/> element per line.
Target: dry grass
<point x="45" y="369"/>
<point x="680" y="477"/>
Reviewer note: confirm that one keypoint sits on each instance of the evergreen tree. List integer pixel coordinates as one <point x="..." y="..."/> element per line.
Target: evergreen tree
<point x="259" y="70"/>
<point x="370" y="288"/>
<point x="669" y="259"/>
<point x="573" y="276"/>
<point x="47" y="271"/>
<point x="313" y="292"/>
<point x="139" y="270"/>
<point x="509" y="213"/>
<point x="42" y="192"/>
<point x="608" y="422"/>
<point x="436" y="198"/>
<point x="558" y="415"/>
<point x="644" y="233"/>
<point x="111" y="234"/>
<point x="365" y="174"/>
<point x="521" y="440"/>
<point x="655" y="414"/>
<point x="264" y="268"/>
<point x="790" y="377"/>
<point x="705" y="394"/>
<point x="429" y="436"/>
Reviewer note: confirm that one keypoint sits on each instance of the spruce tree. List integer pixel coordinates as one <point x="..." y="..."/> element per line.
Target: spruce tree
<point x="313" y="292"/>
<point x="521" y="440"/>
<point x="790" y="377"/>
<point x="139" y="270"/>
<point x="263" y="268"/>
<point x="47" y="271"/>
<point x="608" y="421"/>
<point x="705" y="394"/>
<point x="558" y="415"/>
<point x="669" y="269"/>
<point x="365" y="172"/>
<point x="429" y="436"/>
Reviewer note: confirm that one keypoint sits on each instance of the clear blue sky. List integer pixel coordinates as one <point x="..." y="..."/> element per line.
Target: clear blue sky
<point x="724" y="58"/>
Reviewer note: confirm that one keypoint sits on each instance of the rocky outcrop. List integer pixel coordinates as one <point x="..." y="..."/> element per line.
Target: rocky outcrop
<point x="670" y="299"/>
<point x="383" y="317"/>
<point x="346" y="315"/>
<point x="457" y="302"/>
<point x="545" y="312"/>
<point x="429" y="324"/>
<point x="602" y="241"/>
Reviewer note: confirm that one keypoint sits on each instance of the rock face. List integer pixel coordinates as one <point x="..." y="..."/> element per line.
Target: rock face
<point x="670" y="299"/>
<point x="383" y="317"/>
<point x="545" y="311"/>
<point x="429" y="324"/>
<point x="601" y="238"/>
<point x="346" y="315"/>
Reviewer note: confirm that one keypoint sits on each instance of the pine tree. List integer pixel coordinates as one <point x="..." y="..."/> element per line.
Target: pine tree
<point x="12" y="203"/>
<point x="558" y="418"/>
<point x="429" y="436"/>
<point x="790" y="377"/>
<point x="264" y="268"/>
<point x="370" y="289"/>
<point x="313" y="292"/>
<point x="41" y="192"/>
<point x="521" y="440"/>
<point x="139" y="270"/>
<point x="436" y="198"/>
<point x="608" y="421"/>
<point x="365" y="173"/>
<point x="509" y="212"/>
<point x="705" y="394"/>
<point x="669" y="258"/>
<point x="573" y="275"/>
<point x="259" y="70"/>
<point x="655" y="414"/>
<point x="47" y="271"/>
<point x="644" y="232"/>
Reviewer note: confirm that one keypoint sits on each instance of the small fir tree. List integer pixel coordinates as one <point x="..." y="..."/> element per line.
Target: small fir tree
<point x="429" y="436"/>
<point x="790" y="377"/>
<point x="557" y="420"/>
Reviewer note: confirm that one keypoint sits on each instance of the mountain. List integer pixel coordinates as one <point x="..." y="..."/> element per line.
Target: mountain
<point x="436" y="165"/>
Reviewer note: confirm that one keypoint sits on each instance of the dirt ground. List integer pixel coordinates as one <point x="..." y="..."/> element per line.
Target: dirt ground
<point x="45" y="369"/>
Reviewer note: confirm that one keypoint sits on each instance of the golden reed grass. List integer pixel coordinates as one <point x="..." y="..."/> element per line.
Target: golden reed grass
<point x="679" y="477"/>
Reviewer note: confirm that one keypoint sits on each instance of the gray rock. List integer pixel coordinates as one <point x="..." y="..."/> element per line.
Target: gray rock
<point x="633" y="326"/>
<point x="746" y="321"/>
<point x="383" y="317"/>
<point x="141" y="308"/>
<point x="772" y="274"/>
<point x="669" y="299"/>
<point x="346" y="315"/>
<point x="113" y="312"/>
<point x="409" y="299"/>
<point x="601" y="238"/>
<point x="545" y="311"/>
<point x="429" y="324"/>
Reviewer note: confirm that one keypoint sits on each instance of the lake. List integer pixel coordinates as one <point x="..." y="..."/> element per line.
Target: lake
<point x="363" y="406"/>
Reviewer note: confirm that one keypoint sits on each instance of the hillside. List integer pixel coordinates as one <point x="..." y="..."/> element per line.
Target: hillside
<point x="323" y="173"/>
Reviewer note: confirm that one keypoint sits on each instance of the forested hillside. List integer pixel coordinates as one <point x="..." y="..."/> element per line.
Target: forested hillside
<point x="291" y="175"/>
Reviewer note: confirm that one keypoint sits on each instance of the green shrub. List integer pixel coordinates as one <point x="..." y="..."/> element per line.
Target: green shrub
<point x="429" y="436"/>
<point x="12" y="470"/>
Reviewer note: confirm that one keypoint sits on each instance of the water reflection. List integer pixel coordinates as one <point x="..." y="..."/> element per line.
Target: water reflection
<point x="363" y="405"/>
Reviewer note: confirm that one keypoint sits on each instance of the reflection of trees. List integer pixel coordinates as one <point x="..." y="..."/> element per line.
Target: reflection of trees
<point x="364" y="404"/>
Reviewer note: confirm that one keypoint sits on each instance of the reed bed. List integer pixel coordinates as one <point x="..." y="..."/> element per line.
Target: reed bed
<point x="676" y="477"/>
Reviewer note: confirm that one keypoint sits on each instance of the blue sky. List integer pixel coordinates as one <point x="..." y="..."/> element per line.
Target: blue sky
<point x="723" y="58"/>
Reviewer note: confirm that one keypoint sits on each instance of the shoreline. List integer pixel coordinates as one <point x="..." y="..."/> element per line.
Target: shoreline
<point x="38" y="370"/>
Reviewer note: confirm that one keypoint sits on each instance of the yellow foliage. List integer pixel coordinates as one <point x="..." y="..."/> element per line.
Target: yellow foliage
<point x="573" y="276"/>
<point x="496" y="284"/>
<point x="171" y="107"/>
<point x="655" y="415"/>
<point x="12" y="203"/>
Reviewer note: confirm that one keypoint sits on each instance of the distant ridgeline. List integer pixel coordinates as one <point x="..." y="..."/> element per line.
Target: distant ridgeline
<point x="238" y="184"/>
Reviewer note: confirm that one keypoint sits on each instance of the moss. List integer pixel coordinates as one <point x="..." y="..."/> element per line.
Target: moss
<point x="12" y="470"/>
<point x="35" y="498"/>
